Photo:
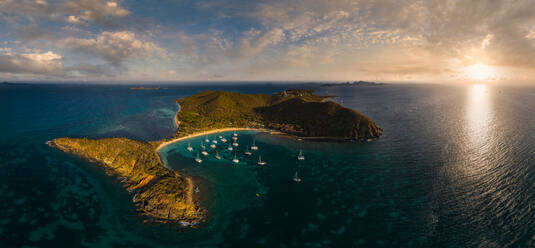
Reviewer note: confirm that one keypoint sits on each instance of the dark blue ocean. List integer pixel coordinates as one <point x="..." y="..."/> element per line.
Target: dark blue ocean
<point x="455" y="168"/>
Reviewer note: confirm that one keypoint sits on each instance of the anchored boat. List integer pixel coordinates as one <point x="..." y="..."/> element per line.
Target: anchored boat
<point x="296" y="178"/>
<point x="235" y="160"/>
<point x="300" y="156"/>
<point x="189" y="147"/>
<point x="198" y="159"/>
<point x="247" y="152"/>
<point x="260" y="162"/>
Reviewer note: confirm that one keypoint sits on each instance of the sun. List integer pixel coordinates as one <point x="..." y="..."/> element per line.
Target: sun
<point x="479" y="72"/>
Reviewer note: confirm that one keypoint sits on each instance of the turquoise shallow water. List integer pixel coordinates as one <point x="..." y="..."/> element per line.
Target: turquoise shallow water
<point x="455" y="168"/>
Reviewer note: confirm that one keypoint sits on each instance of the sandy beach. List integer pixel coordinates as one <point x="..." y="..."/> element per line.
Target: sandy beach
<point x="166" y="143"/>
<point x="177" y="122"/>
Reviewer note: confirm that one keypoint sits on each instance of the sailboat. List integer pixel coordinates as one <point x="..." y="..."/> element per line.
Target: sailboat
<point x="214" y="141"/>
<point x="189" y="147"/>
<point x="235" y="160"/>
<point x="220" y="136"/>
<point x="260" y="162"/>
<point x="223" y="140"/>
<point x="205" y="153"/>
<point x="217" y="155"/>
<point x="234" y="138"/>
<point x="197" y="159"/>
<point x="202" y="145"/>
<point x="296" y="178"/>
<point x="230" y="148"/>
<point x="212" y="145"/>
<point x="247" y="152"/>
<point x="235" y="134"/>
<point x="254" y="147"/>
<point x="235" y="144"/>
<point x="206" y="139"/>
<point x="300" y="156"/>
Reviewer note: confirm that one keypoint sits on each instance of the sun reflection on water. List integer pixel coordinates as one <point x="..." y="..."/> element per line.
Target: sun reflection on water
<point x="478" y="116"/>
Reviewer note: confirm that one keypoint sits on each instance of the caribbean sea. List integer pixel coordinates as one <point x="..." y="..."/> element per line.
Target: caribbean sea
<point x="455" y="167"/>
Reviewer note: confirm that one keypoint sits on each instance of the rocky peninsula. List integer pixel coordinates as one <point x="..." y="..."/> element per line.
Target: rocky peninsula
<point x="160" y="194"/>
<point x="164" y="196"/>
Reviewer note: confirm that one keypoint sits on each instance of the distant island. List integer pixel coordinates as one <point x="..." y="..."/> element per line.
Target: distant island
<point x="149" y="88"/>
<point x="355" y="83"/>
<point x="162" y="195"/>
<point x="10" y="83"/>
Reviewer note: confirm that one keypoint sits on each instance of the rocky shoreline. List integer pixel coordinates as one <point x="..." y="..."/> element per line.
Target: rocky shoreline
<point x="160" y="195"/>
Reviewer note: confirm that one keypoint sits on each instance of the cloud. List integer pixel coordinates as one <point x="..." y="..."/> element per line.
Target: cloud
<point x="75" y="20"/>
<point x="89" y="70"/>
<point x="256" y="39"/>
<point x="114" y="47"/>
<point x="97" y="11"/>
<point x="48" y="63"/>
<point x="32" y="33"/>
<point x="30" y="8"/>
<point x="77" y="12"/>
<point x="253" y="43"/>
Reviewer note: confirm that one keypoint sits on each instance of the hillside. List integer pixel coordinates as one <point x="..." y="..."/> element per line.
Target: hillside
<point x="160" y="195"/>
<point x="298" y="112"/>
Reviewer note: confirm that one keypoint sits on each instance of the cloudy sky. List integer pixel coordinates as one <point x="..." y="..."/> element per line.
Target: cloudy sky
<point x="181" y="40"/>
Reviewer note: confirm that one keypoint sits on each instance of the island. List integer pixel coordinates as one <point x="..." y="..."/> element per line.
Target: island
<point x="147" y="88"/>
<point x="164" y="196"/>
<point x="297" y="111"/>
<point x="12" y="84"/>
<point x="355" y="84"/>
<point x="159" y="194"/>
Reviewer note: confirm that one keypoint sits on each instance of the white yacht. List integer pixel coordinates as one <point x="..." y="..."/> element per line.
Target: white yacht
<point x="247" y="152"/>
<point x="204" y="153"/>
<point x="214" y="141"/>
<point x="206" y="139"/>
<point x="197" y="159"/>
<point x="234" y="138"/>
<point x="296" y="178"/>
<point x="235" y="144"/>
<point x="254" y="147"/>
<point x="223" y="140"/>
<point x="300" y="156"/>
<point x="260" y="162"/>
<point x="212" y="145"/>
<point x="235" y="134"/>
<point x="217" y="155"/>
<point x="235" y="160"/>
<point x="220" y="136"/>
<point x="230" y="148"/>
<point x="202" y="145"/>
<point x="189" y="147"/>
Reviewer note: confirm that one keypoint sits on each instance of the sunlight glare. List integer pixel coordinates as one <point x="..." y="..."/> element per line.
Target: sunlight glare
<point x="479" y="72"/>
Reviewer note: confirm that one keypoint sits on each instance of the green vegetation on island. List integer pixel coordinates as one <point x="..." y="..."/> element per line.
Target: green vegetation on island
<point x="147" y="88"/>
<point x="298" y="112"/>
<point x="160" y="195"/>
